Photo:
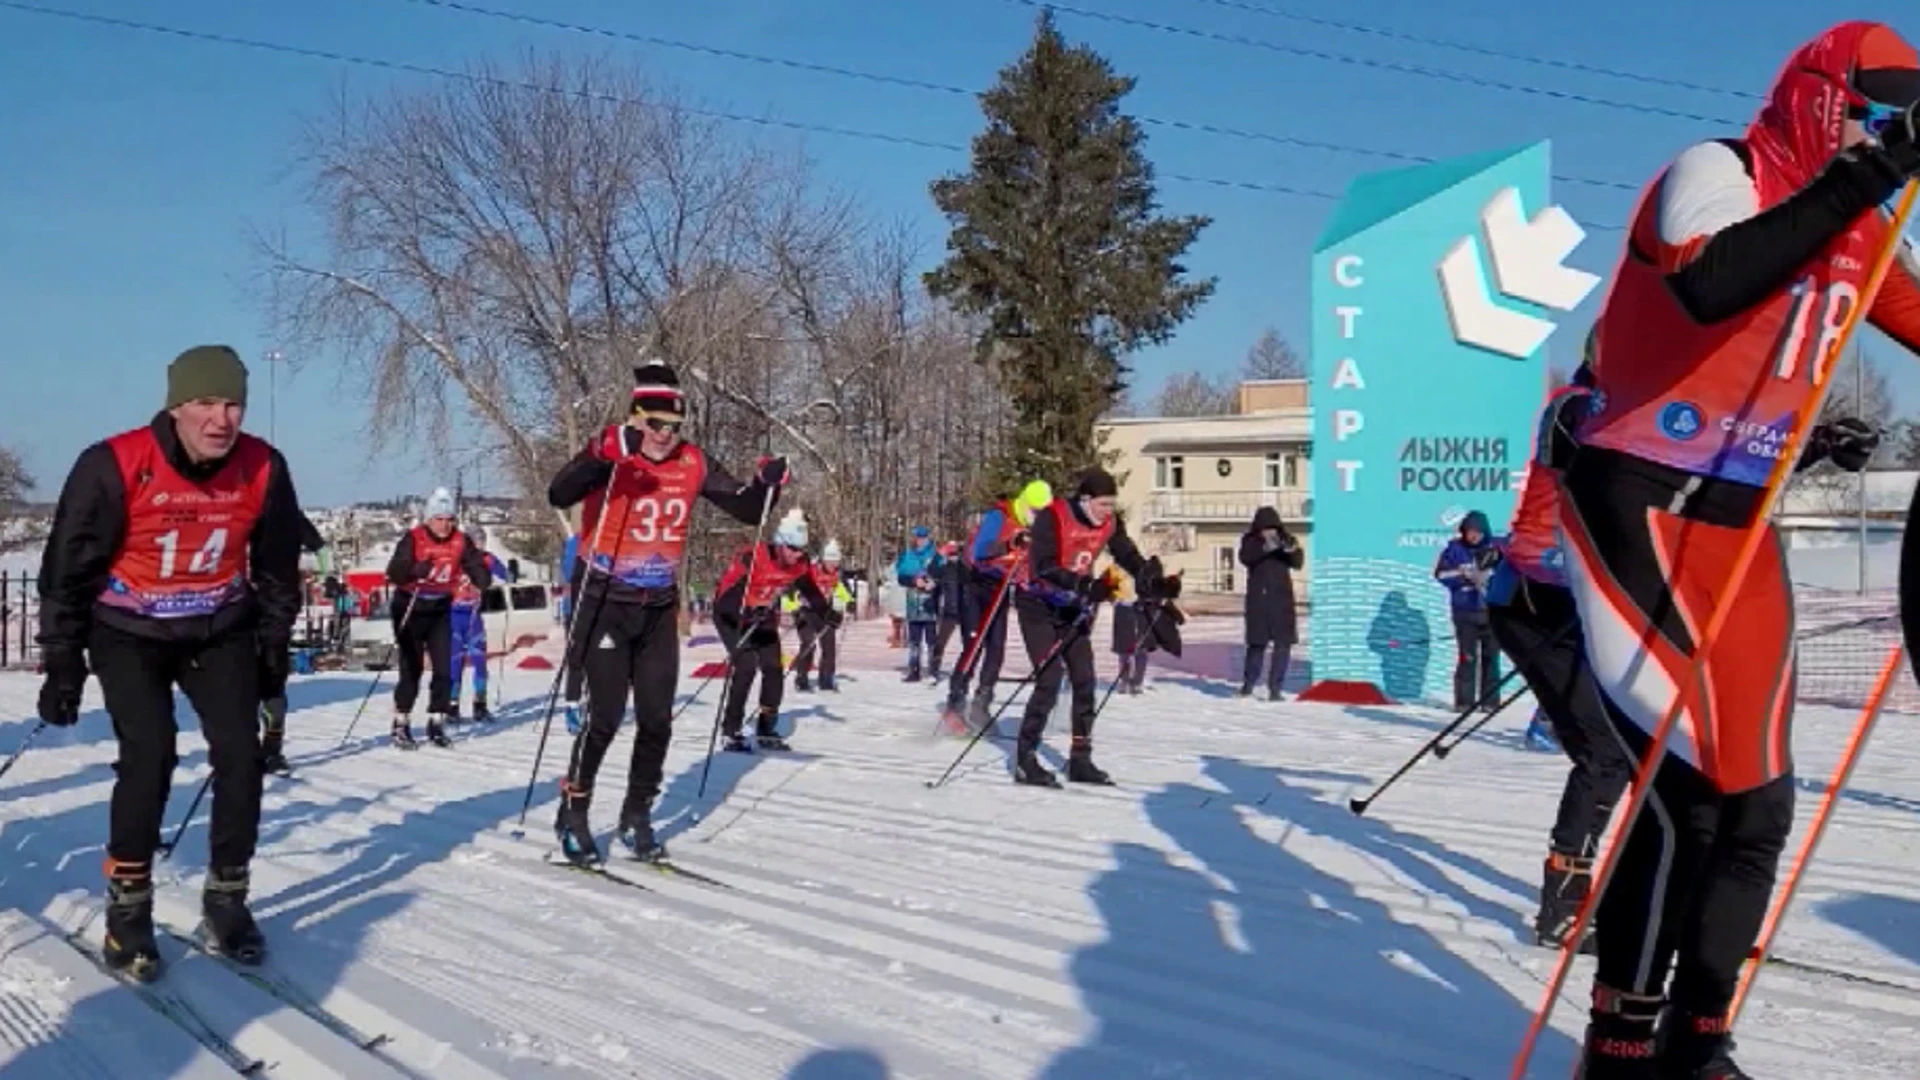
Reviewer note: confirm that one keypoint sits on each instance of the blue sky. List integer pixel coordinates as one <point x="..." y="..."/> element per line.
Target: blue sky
<point x="136" y="162"/>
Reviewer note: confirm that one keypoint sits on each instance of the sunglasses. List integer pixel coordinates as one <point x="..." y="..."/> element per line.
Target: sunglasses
<point x="663" y="425"/>
<point x="1875" y="117"/>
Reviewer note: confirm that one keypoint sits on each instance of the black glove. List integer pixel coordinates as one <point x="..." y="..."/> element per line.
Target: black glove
<point x="66" y="678"/>
<point x="1097" y="590"/>
<point x="272" y="665"/>
<point x="1848" y="442"/>
<point x="1168" y="588"/>
<point x="421" y="571"/>
<point x="833" y="617"/>
<point x="757" y="617"/>
<point x="773" y="471"/>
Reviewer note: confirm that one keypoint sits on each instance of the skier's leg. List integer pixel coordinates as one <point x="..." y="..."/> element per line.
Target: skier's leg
<point x="1040" y="631"/>
<point x="809" y="631"/>
<point x="457" y="620"/>
<point x="740" y="673"/>
<point x="136" y="678"/>
<point x="829" y="655"/>
<point x="437" y="629"/>
<point x="767" y="655"/>
<point x="609" y="682"/>
<point x="1720" y="925"/>
<point x="971" y="612"/>
<point x="654" y="672"/>
<point x="1464" y="662"/>
<point x="476" y="653"/>
<point x="1489" y="656"/>
<point x="994" y="652"/>
<point x="1077" y="660"/>
<point x="409" y="649"/>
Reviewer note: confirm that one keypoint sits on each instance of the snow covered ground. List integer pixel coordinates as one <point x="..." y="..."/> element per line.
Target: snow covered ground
<point x="1220" y="914"/>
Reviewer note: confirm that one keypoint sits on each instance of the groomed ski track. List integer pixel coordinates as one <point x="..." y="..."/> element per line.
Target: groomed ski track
<point x="1220" y="914"/>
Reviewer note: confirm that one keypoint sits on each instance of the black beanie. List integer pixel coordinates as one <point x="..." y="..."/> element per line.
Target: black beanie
<point x="1096" y="483"/>
<point x="206" y="371"/>
<point x="656" y="389"/>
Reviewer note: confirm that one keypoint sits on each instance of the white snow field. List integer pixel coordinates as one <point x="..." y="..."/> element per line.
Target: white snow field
<point x="1220" y="914"/>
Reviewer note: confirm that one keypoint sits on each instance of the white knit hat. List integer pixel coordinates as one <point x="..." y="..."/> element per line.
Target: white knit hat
<point x="439" y="504"/>
<point x="830" y="553"/>
<point x="792" y="531"/>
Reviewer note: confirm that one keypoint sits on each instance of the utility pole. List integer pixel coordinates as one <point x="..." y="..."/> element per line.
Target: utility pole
<point x="273" y="359"/>
<point x="1860" y="405"/>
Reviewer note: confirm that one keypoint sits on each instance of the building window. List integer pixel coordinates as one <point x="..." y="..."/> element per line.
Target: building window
<point x="1282" y="471"/>
<point x="1292" y="471"/>
<point x="1170" y="473"/>
<point x="1272" y="473"/>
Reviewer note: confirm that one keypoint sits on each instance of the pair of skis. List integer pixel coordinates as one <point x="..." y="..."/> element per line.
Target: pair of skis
<point x="178" y="1009"/>
<point x="663" y="867"/>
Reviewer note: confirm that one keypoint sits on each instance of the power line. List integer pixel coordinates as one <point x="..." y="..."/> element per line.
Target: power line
<point x="407" y="67"/>
<point x="941" y="88"/>
<point x="1421" y="70"/>
<point x="1482" y="50"/>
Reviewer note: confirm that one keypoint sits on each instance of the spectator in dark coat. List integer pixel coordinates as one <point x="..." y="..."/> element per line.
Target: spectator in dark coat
<point x="1464" y="567"/>
<point x="1271" y="554"/>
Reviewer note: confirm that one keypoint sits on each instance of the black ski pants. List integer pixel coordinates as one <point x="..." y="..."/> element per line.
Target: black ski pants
<point x="1476" y="669"/>
<point x="1060" y="647"/>
<point x="220" y="678"/>
<point x="751" y="650"/>
<point x="631" y="652"/>
<point x="975" y="600"/>
<point x="1692" y="887"/>
<point x="1539" y="630"/>
<point x="422" y="635"/>
<point x="948" y="624"/>
<point x="816" y="639"/>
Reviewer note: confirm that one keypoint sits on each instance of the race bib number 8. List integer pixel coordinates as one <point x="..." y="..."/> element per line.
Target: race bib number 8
<point x="1833" y="305"/>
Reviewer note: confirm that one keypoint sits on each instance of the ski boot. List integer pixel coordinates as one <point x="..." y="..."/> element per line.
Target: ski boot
<point x="1697" y="1048"/>
<point x="1620" y="1037"/>
<point x="574" y="829"/>
<point x="636" y="835"/>
<point x="129" y="945"/>
<point x="227" y="926"/>
<point x="1540" y="735"/>
<point x="1080" y="766"/>
<point x="1562" y="891"/>
<point x="437" y="730"/>
<point x="980" y="710"/>
<point x="802" y="684"/>
<point x="736" y="743"/>
<point x="1027" y="769"/>
<point x="573" y="718"/>
<point x="403" y="733"/>
<point x="766" y="734"/>
<point x="481" y="714"/>
<point x="273" y="753"/>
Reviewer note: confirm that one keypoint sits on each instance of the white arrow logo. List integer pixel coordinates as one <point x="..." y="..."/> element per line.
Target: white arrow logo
<point x="1529" y="263"/>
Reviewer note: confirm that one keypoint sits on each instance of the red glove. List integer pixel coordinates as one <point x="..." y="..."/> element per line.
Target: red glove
<point x="611" y="444"/>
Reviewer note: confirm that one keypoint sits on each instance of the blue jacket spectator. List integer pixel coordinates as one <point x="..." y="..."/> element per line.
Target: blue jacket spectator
<point x="1465" y="563"/>
<point x="916" y="569"/>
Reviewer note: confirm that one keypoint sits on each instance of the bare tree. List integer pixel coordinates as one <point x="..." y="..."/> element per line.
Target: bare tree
<point x="17" y="529"/>
<point x="1272" y="358"/>
<point x="15" y="480"/>
<point x="1193" y="394"/>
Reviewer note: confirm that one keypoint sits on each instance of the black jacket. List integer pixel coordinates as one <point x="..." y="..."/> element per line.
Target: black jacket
<point x="588" y="473"/>
<point x="89" y="525"/>
<point x="1271" y="615"/>
<point x="403" y="570"/>
<point x="1043" y="556"/>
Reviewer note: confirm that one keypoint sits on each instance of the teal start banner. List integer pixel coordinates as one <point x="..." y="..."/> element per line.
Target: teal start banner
<point x="1434" y="292"/>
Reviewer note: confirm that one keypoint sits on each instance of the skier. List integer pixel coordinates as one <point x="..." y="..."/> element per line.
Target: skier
<point x="995" y="558"/>
<point x="273" y="707"/>
<point x="642" y="478"/>
<point x="1743" y="262"/>
<point x="1056" y="605"/>
<point x="817" y="636"/>
<point x="915" y="571"/>
<point x="425" y="570"/>
<point x="467" y="626"/>
<point x="744" y="614"/>
<point x="174" y="560"/>
<point x="1271" y="554"/>
<point x="948" y="583"/>
<point x="1463" y="567"/>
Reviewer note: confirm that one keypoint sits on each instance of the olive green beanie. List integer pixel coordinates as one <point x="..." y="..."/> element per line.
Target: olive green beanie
<point x="206" y="371"/>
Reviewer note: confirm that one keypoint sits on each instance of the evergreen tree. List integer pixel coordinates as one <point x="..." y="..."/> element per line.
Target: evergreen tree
<point x="1056" y="244"/>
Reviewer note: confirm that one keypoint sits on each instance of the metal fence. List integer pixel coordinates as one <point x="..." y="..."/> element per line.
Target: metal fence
<point x="19" y="619"/>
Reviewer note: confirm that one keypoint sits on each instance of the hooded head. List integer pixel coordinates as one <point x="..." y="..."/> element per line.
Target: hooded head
<point x="1037" y="495"/>
<point x="1474" y="528"/>
<point x="1856" y="71"/>
<point x="1266" y="518"/>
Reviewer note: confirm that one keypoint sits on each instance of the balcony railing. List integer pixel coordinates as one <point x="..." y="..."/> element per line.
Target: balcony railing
<point x="1222" y="506"/>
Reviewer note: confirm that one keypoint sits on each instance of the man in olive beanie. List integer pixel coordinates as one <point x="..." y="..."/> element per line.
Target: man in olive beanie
<point x="206" y="372"/>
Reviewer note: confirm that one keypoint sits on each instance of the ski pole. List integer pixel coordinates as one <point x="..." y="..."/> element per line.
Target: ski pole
<point x="569" y="642"/>
<point x="746" y="583"/>
<point x="387" y="663"/>
<point x="506" y="643"/>
<point x="1441" y="751"/>
<point x="1059" y="649"/>
<point x="971" y="655"/>
<point x="1146" y="635"/>
<point x="24" y="743"/>
<point x="1862" y="730"/>
<point x="1755" y="535"/>
<point x="1360" y="806"/>
<point x="726" y="691"/>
